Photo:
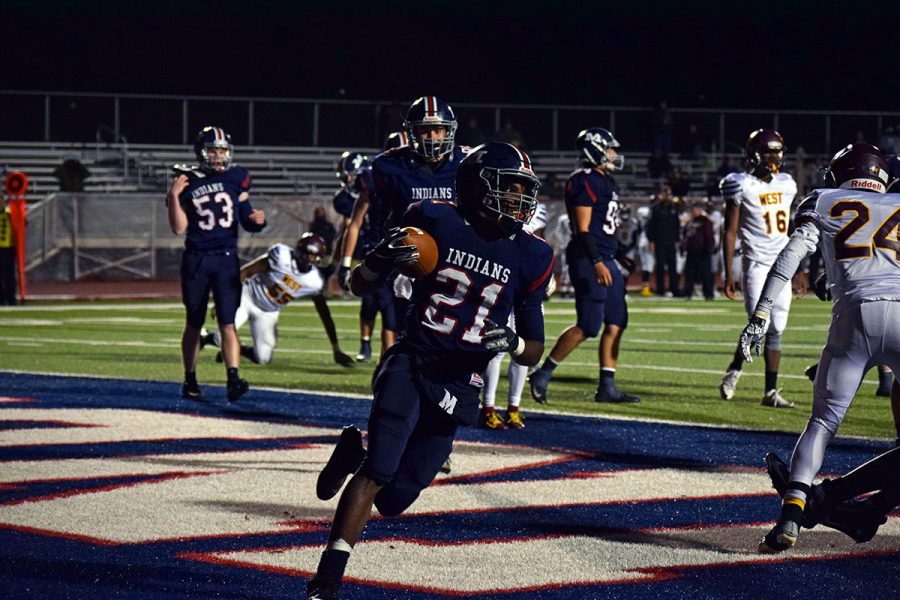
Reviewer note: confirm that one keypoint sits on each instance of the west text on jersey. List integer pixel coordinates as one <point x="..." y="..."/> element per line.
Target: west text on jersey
<point x="477" y="264"/>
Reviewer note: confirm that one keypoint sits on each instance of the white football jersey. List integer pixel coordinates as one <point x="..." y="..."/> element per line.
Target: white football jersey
<point x="858" y="235"/>
<point x="283" y="282"/>
<point x="539" y="220"/>
<point x="765" y="212"/>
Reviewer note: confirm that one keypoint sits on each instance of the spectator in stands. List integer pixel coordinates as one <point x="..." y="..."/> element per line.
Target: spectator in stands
<point x="7" y="256"/>
<point x="664" y="232"/>
<point x="699" y="242"/>
<point x="470" y="134"/>
<point x="889" y="141"/>
<point x="321" y="226"/>
<point x="726" y="167"/>
<point x="71" y="174"/>
<point x="511" y="135"/>
<point x="553" y="187"/>
<point x="658" y="165"/>
<point x="662" y="129"/>
<point x="691" y="144"/>
<point x="679" y="183"/>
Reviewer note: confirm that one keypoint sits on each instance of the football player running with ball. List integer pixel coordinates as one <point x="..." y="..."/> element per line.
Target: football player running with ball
<point x="429" y="382"/>
<point x="206" y="204"/>
<point x="758" y="205"/>
<point x="855" y="225"/>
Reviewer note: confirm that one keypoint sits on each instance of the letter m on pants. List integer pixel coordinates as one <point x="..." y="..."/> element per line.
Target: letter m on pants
<point x="448" y="402"/>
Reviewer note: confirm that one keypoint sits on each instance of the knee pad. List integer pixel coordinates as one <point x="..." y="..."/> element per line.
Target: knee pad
<point x="773" y="340"/>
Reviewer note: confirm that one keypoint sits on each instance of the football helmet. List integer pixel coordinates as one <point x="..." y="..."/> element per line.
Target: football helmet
<point x="427" y="112"/>
<point x="859" y="166"/>
<point x="212" y="137"/>
<point x="764" y="150"/>
<point x="594" y="143"/>
<point x="486" y="181"/>
<point x="348" y="164"/>
<point x="396" y="139"/>
<point x="309" y="251"/>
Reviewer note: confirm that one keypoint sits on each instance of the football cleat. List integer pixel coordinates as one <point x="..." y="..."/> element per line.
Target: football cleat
<point x="729" y="383"/>
<point x="781" y="537"/>
<point x="646" y="292"/>
<point x="236" y="389"/>
<point x="317" y="589"/>
<point x="219" y="358"/>
<point x="615" y="396"/>
<point x="778" y="473"/>
<point x="773" y="398"/>
<point x="345" y="459"/>
<point x="883" y="390"/>
<point x="365" y="352"/>
<point x="191" y="391"/>
<point x="206" y="338"/>
<point x="514" y="419"/>
<point x="539" y="382"/>
<point x="811" y="371"/>
<point x="489" y="419"/>
<point x="447" y="466"/>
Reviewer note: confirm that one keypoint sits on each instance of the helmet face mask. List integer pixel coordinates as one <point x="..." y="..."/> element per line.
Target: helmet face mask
<point x="430" y="126"/>
<point x="309" y="251"/>
<point x="764" y="151"/>
<point x="496" y="180"/>
<point x="213" y="149"/>
<point x="598" y="147"/>
<point x="859" y="166"/>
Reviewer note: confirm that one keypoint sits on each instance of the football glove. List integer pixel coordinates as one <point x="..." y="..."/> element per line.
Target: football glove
<point x="499" y="338"/>
<point x="752" y="338"/>
<point x="344" y="277"/>
<point x="820" y="287"/>
<point x="388" y="254"/>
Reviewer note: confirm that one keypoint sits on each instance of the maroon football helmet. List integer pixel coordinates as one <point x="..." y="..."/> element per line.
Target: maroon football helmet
<point x="764" y="150"/>
<point x="310" y="249"/>
<point x="858" y="166"/>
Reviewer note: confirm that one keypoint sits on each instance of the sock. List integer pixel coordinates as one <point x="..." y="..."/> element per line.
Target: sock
<point x="771" y="380"/>
<point x="549" y="364"/>
<point x="885" y="379"/>
<point x="607" y="379"/>
<point x="249" y="353"/>
<point x="232" y="374"/>
<point x="190" y="378"/>
<point x="332" y="565"/>
<point x="365" y="339"/>
<point x="737" y="363"/>
<point x="792" y="510"/>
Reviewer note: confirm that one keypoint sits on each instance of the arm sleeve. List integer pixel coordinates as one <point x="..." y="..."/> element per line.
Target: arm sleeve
<point x="244" y="210"/>
<point x="731" y="188"/>
<point x="802" y="243"/>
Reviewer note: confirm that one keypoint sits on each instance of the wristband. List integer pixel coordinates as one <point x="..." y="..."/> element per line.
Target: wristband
<point x="519" y="349"/>
<point x="588" y="246"/>
<point x="346" y="261"/>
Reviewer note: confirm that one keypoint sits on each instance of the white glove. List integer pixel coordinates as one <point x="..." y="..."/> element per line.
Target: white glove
<point x="752" y="337"/>
<point x="403" y="287"/>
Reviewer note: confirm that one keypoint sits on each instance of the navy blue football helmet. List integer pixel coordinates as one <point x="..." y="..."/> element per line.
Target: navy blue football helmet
<point x="430" y="111"/>
<point x="212" y="137"/>
<point x="485" y="179"/>
<point x="396" y="139"/>
<point x="593" y="143"/>
<point x="859" y="166"/>
<point x="348" y="164"/>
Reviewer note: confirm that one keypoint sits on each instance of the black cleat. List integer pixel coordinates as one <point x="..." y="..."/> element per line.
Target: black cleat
<point x="192" y="391"/>
<point x="615" y="397"/>
<point x="781" y="537"/>
<point x="365" y="352"/>
<point x="778" y="473"/>
<point x="206" y="339"/>
<point x="345" y="459"/>
<point x="540" y="381"/>
<point x="219" y="357"/>
<point x="237" y="389"/>
<point x="317" y="589"/>
<point x="810" y="371"/>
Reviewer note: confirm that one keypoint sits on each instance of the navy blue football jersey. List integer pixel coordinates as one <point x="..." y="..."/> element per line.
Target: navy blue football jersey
<point x="211" y="202"/>
<point x="401" y="178"/>
<point x="588" y="187"/>
<point x="475" y="279"/>
<point x="371" y="231"/>
<point x="343" y="202"/>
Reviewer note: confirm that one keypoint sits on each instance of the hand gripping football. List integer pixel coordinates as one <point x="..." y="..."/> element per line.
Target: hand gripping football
<point x="428" y="252"/>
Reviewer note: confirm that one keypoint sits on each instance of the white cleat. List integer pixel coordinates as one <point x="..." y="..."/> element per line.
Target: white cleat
<point x="773" y="398"/>
<point x="729" y="383"/>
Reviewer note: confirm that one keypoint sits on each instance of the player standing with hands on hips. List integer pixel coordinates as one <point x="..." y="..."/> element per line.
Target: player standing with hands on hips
<point x="206" y="204"/>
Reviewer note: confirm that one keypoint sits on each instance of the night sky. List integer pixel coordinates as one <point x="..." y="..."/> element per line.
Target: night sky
<point x="787" y="55"/>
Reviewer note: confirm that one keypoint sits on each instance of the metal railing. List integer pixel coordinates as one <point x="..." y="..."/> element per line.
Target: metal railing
<point x="149" y="118"/>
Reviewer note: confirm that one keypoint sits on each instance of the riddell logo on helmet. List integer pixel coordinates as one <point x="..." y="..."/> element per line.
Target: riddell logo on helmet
<point x="867" y="184"/>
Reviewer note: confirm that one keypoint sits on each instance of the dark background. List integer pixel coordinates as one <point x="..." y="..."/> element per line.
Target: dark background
<point x="769" y="56"/>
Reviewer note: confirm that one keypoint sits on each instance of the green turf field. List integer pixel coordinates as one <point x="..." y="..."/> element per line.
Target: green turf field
<point x="673" y="356"/>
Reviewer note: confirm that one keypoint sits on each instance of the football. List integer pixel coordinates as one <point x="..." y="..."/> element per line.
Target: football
<point x="428" y="252"/>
